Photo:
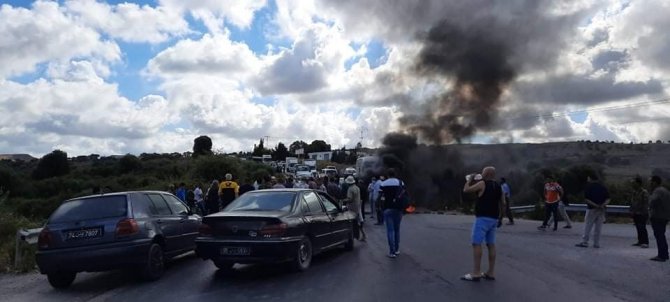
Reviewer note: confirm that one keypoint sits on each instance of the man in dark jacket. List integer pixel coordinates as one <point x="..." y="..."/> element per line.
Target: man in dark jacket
<point x="639" y="209"/>
<point x="659" y="213"/>
<point x="597" y="198"/>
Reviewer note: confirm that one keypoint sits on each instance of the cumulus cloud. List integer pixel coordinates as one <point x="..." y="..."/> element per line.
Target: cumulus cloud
<point x="128" y="21"/>
<point x="24" y="43"/>
<point x="215" y="12"/>
<point x="213" y="54"/>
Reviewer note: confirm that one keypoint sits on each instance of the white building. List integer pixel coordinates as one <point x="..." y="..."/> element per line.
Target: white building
<point x="327" y="155"/>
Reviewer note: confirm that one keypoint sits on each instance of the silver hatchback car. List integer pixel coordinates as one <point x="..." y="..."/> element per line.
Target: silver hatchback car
<point x="111" y="231"/>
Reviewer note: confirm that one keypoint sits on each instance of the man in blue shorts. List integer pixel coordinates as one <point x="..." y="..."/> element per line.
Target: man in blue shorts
<point x="488" y="208"/>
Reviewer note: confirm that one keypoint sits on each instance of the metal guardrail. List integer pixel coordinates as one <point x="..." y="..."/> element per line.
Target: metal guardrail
<point x="574" y="207"/>
<point x="24" y="236"/>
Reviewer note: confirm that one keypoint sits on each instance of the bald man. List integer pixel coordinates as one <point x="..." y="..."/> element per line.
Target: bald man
<point x="488" y="209"/>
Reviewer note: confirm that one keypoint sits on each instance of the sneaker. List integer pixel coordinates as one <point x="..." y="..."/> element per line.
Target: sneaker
<point x="567" y="227"/>
<point x="636" y="244"/>
<point x="510" y="223"/>
<point x="644" y="246"/>
<point x="542" y="227"/>
<point x="391" y="255"/>
<point x="582" y="244"/>
<point x="659" y="259"/>
<point x="397" y="253"/>
<point x="596" y="246"/>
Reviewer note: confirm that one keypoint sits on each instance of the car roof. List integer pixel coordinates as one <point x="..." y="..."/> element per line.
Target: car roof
<point x="117" y="194"/>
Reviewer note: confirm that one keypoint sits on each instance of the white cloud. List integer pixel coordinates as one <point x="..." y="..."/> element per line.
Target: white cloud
<point x="128" y="21"/>
<point x="24" y="43"/>
<point x="211" y="55"/>
<point x="214" y="12"/>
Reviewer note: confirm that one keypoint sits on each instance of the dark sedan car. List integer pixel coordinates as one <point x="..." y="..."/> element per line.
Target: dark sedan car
<point x="119" y="230"/>
<point x="270" y="226"/>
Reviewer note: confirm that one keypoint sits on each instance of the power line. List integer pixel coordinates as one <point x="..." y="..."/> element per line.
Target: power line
<point x="590" y="110"/>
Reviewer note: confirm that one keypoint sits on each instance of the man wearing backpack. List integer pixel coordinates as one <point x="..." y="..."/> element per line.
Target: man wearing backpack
<point x="393" y="193"/>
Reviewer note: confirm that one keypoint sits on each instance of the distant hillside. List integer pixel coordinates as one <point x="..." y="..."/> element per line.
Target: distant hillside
<point x="17" y="157"/>
<point x="620" y="161"/>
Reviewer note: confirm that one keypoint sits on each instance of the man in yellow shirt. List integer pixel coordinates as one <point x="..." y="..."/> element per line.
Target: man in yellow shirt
<point x="228" y="190"/>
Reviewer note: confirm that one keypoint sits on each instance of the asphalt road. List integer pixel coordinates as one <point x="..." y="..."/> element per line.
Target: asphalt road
<point x="435" y="251"/>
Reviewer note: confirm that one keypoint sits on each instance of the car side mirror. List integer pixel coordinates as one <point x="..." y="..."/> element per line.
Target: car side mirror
<point x="185" y="213"/>
<point x="345" y="208"/>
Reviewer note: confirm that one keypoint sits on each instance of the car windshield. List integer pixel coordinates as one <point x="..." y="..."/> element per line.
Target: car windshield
<point x="302" y="168"/>
<point x="90" y="209"/>
<point x="263" y="201"/>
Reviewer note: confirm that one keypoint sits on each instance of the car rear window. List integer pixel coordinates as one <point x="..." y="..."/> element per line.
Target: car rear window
<point x="260" y="201"/>
<point x="90" y="209"/>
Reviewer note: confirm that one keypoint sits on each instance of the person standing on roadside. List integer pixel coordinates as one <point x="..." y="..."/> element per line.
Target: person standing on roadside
<point x="212" y="201"/>
<point x="354" y="201"/>
<point x="488" y="209"/>
<point x="371" y="196"/>
<point x="199" y="198"/>
<point x="333" y="189"/>
<point x="377" y="190"/>
<point x="393" y="210"/>
<point x="552" y="195"/>
<point x="597" y="198"/>
<point x="508" y="195"/>
<point x="228" y="190"/>
<point x="181" y="192"/>
<point x="246" y="187"/>
<point x="639" y="209"/>
<point x="659" y="213"/>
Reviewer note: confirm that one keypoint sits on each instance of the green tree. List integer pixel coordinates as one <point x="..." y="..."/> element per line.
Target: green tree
<point x="202" y="145"/>
<point x="280" y="152"/>
<point x="259" y="149"/>
<point x="51" y="165"/>
<point x="318" y="146"/>
<point x="297" y="145"/>
<point x="129" y="163"/>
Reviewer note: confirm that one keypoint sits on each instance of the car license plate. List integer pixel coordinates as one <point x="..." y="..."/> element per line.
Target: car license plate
<point x="235" y="251"/>
<point x="84" y="234"/>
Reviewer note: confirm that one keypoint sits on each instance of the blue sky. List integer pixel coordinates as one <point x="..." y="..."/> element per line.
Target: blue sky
<point x="152" y="75"/>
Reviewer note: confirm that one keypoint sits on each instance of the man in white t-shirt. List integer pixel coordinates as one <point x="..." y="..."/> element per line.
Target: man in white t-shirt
<point x="199" y="201"/>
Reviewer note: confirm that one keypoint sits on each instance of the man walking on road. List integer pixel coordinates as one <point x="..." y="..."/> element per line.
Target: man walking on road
<point x="639" y="209"/>
<point x="393" y="209"/>
<point x="659" y="210"/>
<point x="508" y="194"/>
<point x="377" y="188"/>
<point x="488" y="208"/>
<point x="597" y="198"/>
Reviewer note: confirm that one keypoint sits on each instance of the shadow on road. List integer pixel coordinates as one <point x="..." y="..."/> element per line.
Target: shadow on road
<point x="243" y="274"/>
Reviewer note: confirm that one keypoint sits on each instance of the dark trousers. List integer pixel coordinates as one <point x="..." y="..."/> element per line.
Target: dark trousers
<point x="641" y="226"/>
<point x="379" y="215"/>
<point x="508" y="212"/>
<point x="549" y="209"/>
<point x="658" y="225"/>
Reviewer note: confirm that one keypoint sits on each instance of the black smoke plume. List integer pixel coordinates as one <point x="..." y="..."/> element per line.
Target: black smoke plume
<point x="478" y="65"/>
<point x="433" y="174"/>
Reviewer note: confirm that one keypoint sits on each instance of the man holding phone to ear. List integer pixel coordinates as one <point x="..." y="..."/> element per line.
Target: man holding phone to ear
<point x="488" y="209"/>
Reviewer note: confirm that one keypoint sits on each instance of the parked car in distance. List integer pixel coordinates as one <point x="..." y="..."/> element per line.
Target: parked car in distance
<point x="111" y="231"/>
<point x="272" y="226"/>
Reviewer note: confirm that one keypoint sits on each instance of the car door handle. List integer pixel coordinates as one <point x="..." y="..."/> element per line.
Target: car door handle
<point x="159" y="221"/>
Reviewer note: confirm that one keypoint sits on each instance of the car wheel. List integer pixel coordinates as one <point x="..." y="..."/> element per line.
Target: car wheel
<point x="349" y="246"/>
<point x="225" y="266"/>
<point x="61" y="280"/>
<point x="155" y="265"/>
<point x="303" y="255"/>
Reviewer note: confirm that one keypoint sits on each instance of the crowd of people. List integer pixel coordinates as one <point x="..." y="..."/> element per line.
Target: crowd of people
<point x="387" y="198"/>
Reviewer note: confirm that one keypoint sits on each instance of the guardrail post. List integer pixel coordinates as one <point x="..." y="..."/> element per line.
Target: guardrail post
<point x="17" y="250"/>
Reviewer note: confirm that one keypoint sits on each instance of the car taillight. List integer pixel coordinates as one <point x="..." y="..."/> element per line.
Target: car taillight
<point x="274" y="230"/>
<point x="127" y="227"/>
<point x="44" y="239"/>
<point x="205" y="230"/>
